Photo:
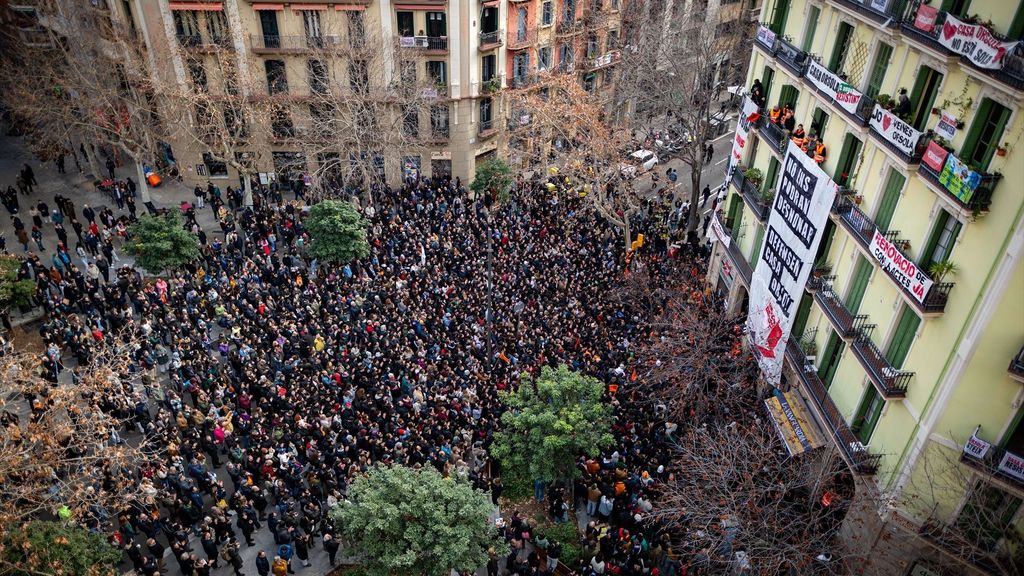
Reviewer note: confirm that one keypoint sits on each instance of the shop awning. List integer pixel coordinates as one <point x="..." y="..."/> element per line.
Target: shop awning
<point x="350" y="7"/>
<point x="309" y="6"/>
<point x="793" y="423"/>
<point x="437" y="7"/>
<point x="268" y="6"/>
<point x="199" y="6"/>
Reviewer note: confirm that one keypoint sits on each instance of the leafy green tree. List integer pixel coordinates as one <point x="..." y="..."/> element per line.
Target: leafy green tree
<point x="41" y="547"/>
<point x="13" y="292"/>
<point x="416" y="522"/>
<point x="549" y="422"/>
<point x="337" y="232"/>
<point x="160" y="242"/>
<point x="494" y="178"/>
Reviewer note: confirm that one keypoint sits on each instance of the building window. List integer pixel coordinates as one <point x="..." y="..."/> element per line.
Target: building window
<point x="318" y="80"/>
<point x="870" y="411"/>
<point x="569" y="11"/>
<point x="358" y="76"/>
<point x="489" y="20"/>
<point x="943" y="237"/>
<point x="439" y="121"/>
<point x="565" y="56"/>
<point x="520" y="66"/>
<point x="214" y="167"/>
<point x="234" y="121"/>
<point x="486" y="122"/>
<point x="311" y="26"/>
<point x="411" y="167"/>
<point x="277" y="81"/>
<point x="521" y="25"/>
<point x="848" y="160"/>
<point x="289" y="165"/>
<point x="813" y="13"/>
<point x="613" y="40"/>
<point x="547" y="13"/>
<point x="488" y="67"/>
<point x="878" y="69"/>
<point x="407" y="72"/>
<point x="437" y="72"/>
<point x="322" y="113"/>
<point x="356" y="29"/>
<point x="281" y="123"/>
<point x="922" y="98"/>
<point x="186" y="27"/>
<point x="986" y="132"/>
<point x="777" y="22"/>
<point x="592" y="46"/>
<point x="436" y="26"/>
<point x="987" y="515"/>
<point x="841" y="48"/>
<point x="217" y="27"/>
<point x="819" y="121"/>
<point x="197" y="72"/>
<point x="544" y="57"/>
<point x="406" y="27"/>
<point x="410" y="121"/>
<point x="268" y="25"/>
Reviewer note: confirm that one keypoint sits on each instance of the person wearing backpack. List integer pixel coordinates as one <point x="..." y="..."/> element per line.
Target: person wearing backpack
<point x="285" y="552"/>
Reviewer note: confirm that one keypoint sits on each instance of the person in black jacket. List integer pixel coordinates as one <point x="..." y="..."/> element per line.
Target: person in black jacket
<point x="262" y="563"/>
<point x="210" y="548"/>
<point x="302" y="549"/>
<point x="233" y="557"/>
<point x="331" y="546"/>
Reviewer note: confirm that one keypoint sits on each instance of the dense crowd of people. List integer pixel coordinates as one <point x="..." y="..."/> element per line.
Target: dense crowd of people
<point x="291" y="377"/>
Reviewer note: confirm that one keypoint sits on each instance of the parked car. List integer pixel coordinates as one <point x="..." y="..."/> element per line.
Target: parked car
<point x="638" y="162"/>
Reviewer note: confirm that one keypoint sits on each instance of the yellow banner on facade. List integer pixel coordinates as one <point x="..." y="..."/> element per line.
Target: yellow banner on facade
<point x="793" y="423"/>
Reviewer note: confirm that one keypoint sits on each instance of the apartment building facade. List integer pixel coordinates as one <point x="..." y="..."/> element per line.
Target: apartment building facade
<point x="469" y="53"/>
<point x="906" y="346"/>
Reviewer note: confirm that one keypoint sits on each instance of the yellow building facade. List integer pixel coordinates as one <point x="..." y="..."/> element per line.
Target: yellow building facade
<point x="907" y="342"/>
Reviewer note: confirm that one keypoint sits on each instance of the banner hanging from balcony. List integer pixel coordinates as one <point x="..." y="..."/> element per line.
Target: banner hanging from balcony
<point x="792" y="423"/>
<point x="843" y="94"/>
<point x="960" y="180"/>
<point x="976" y="447"/>
<point x="894" y="131"/>
<point x="899" y="267"/>
<point x="748" y="114"/>
<point x="795" y="226"/>
<point x="717" y="233"/>
<point x="765" y="36"/>
<point x="975" y="42"/>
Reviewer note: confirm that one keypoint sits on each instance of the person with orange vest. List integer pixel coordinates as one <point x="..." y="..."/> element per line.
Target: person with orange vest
<point x="820" y="152"/>
<point x="800" y="137"/>
<point x="774" y="114"/>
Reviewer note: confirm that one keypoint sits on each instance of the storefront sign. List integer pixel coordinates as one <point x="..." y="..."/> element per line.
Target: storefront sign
<point x="895" y="131"/>
<point x="946" y="126"/>
<point x="795" y="227"/>
<point x="765" y="36"/>
<point x="974" y="42"/>
<point x="960" y="180"/>
<point x="845" y="95"/>
<point x="935" y="156"/>
<point x="976" y="447"/>
<point x="899" y="267"/>
<point x="925" y="19"/>
<point x="1012" y="465"/>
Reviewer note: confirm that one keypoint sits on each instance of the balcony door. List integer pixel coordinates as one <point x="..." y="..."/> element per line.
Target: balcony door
<point x="436" y="25"/>
<point x="868" y="413"/>
<point x="890" y="198"/>
<point x="830" y="359"/>
<point x="521" y="24"/>
<point x="922" y="97"/>
<point x="268" y="25"/>
<point x="780" y="11"/>
<point x="859" y="284"/>
<point x="903" y="337"/>
<point x="311" y="25"/>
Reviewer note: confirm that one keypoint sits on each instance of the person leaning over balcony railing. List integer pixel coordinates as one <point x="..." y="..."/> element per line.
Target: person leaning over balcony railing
<point x="800" y="137"/>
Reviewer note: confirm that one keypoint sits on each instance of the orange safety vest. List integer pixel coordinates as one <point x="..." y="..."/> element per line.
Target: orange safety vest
<point x="819" y="153"/>
<point x="774" y="115"/>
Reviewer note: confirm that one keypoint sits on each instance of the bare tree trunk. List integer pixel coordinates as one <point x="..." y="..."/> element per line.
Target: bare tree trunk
<point x="627" y="230"/>
<point x="694" y="219"/>
<point x="247" y="184"/>
<point x="94" y="165"/>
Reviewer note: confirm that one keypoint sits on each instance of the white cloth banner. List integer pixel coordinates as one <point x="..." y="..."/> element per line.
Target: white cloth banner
<point x="895" y="131"/>
<point x="717" y="232"/>
<point x="976" y="447"/>
<point x="845" y="95"/>
<point x="739" y="141"/>
<point x="946" y="126"/>
<point x="1012" y="465"/>
<point x="765" y="36"/>
<point x="795" y="226"/>
<point x="899" y="267"/>
<point x="974" y="42"/>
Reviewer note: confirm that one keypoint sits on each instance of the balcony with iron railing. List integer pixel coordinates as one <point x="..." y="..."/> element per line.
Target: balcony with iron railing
<point x="486" y="127"/>
<point x="862" y="228"/>
<point x="1011" y="73"/>
<point x="919" y="145"/>
<point x="490" y="40"/>
<point x="603" y="61"/>
<point x="1016" y="369"/>
<point x="974" y="201"/>
<point x="759" y="204"/>
<point x="520" y="39"/>
<point x="292" y="43"/>
<point x="860" y="116"/>
<point x="842" y="319"/>
<point x="569" y="27"/>
<point x="525" y="80"/>
<point x="888" y="15"/>
<point x="774" y="135"/>
<point x="998" y="463"/>
<point x="888" y="380"/>
<point x="736" y="255"/>
<point x="790" y="56"/>
<point x="427" y="43"/>
<point x="860" y="460"/>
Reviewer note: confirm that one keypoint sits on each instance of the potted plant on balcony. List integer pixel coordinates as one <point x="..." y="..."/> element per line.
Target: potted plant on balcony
<point x="941" y="269"/>
<point x="885" y="101"/>
<point x="767" y="196"/>
<point x="821" y="268"/>
<point x="1001" y="150"/>
<point x="492" y="86"/>
<point x="754" y="176"/>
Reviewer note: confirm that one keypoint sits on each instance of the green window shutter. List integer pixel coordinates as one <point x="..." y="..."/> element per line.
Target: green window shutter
<point x="868" y="413"/>
<point x="842" y="45"/>
<point x="859" y="284"/>
<point x="922" y="98"/>
<point x="779" y="14"/>
<point x="987" y="129"/>
<point x="758" y="238"/>
<point x="830" y="360"/>
<point x="903" y="337"/>
<point x="957" y="8"/>
<point x="847" y="159"/>
<point x="977" y="127"/>
<point x="890" y="198"/>
<point x="788" y="95"/>
<point x="735" y="214"/>
<point x="773" y="173"/>
<point x="826" y="240"/>
<point x="940" y="244"/>
<point x="1017" y="26"/>
<point x="802" y="312"/>
<point x="812" y="26"/>
<point x="878" y="69"/>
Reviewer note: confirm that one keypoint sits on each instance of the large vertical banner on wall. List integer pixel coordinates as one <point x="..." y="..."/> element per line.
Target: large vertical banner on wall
<point x="748" y="114"/>
<point x="795" y="226"/>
